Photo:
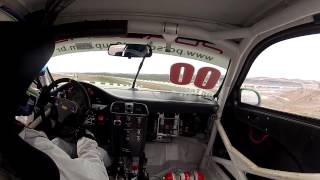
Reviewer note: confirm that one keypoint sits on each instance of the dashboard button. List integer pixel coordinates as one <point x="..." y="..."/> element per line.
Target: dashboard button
<point x="127" y="130"/>
<point x="117" y="122"/>
<point x="100" y="117"/>
<point x="128" y="124"/>
<point x="139" y="120"/>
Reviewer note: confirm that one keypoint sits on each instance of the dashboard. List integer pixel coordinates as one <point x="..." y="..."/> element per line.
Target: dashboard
<point x="125" y="120"/>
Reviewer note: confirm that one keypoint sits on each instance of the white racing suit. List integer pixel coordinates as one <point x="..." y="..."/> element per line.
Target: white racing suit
<point x="88" y="165"/>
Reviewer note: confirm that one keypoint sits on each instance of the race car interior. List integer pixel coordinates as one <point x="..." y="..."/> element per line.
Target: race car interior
<point x="145" y="132"/>
<point x="194" y="90"/>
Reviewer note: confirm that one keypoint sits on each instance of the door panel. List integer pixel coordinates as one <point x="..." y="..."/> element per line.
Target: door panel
<point x="281" y="128"/>
<point x="298" y="141"/>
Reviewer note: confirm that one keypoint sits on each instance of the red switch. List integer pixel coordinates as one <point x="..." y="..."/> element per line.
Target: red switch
<point x="100" y="117"/>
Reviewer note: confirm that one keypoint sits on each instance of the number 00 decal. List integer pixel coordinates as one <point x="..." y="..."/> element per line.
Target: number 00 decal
<point x="213" y="74"/>
<point x="206" y="77"/>
<point x="187" y="74"/>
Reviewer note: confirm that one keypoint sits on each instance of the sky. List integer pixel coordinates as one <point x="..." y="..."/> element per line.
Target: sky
<point x="297" y="58"/>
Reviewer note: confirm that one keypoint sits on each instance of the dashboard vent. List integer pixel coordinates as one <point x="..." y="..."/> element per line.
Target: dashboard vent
<point x="118" y="107"/>
<point x="129" y="108"/>
<point x="140" y="109"/>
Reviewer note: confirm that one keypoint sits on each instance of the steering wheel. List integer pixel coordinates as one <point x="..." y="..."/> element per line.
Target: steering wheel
<point x="69" y="103"/>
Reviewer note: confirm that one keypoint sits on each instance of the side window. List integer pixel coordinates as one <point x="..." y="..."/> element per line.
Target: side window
<point x="286" y="77"/>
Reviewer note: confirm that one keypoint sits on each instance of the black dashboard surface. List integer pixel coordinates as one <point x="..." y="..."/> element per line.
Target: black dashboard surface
<point x="157" y="96"/>
<point x="156" y="101"/>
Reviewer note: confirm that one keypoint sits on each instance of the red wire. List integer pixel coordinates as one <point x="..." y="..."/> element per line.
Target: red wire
<point x="257" y="141"/>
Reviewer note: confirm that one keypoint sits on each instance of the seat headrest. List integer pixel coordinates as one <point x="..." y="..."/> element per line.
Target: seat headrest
<point x="24" y="50"/>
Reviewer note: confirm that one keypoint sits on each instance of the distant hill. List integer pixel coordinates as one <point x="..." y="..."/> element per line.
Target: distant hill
<point x="152" y="77"/>
<point x="255" y="81"/>
<point x="281" y="82"/>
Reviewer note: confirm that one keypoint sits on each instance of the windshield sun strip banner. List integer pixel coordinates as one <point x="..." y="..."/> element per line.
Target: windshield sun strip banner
<point x="197" y="51"/>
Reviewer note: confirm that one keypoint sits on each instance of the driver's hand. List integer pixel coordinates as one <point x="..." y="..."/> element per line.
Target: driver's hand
<point x="82" y="132"/>
<point x="89" y="121"/>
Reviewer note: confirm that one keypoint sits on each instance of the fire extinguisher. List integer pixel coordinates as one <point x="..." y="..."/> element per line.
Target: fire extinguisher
<point x="184" y="175"/>
<point x="198" y="175"/>
<point x="170" y="176"/>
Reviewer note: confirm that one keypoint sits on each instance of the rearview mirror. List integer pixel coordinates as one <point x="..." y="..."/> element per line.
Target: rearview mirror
<point x="130" y="50"/>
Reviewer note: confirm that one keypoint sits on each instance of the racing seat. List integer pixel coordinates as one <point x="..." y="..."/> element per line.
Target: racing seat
<point x="24" y="50"/>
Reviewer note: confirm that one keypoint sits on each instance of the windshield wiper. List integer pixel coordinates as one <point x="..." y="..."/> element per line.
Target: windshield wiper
<point x="135" y="78"/>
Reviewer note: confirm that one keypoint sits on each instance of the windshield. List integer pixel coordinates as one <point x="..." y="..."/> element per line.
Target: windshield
<point x="105" y="71"/>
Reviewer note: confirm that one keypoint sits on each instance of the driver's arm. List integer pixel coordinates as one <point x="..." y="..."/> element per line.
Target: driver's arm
<point x="89" y="155"/>
<point x="88" y="166"/>
<point x="88" y="149"/>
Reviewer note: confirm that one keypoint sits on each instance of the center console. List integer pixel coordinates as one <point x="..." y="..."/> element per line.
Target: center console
<point x="129" y="129"/>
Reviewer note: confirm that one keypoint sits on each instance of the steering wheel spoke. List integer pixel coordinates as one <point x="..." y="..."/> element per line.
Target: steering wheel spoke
<point x="65" y="108"/>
